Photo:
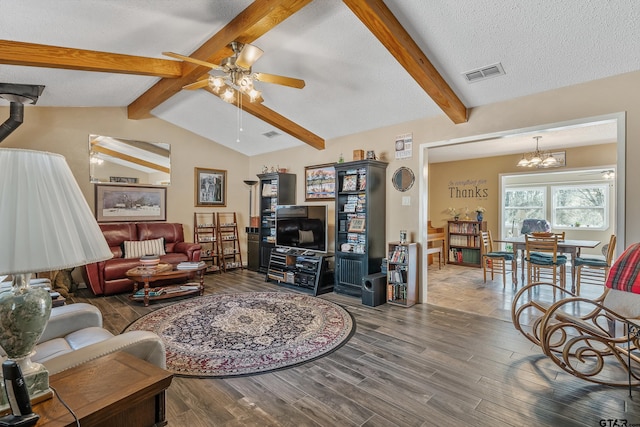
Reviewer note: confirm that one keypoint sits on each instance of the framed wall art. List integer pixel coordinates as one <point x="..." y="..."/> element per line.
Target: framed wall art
<point x="121" y="203"/>
<point x="210" y="187"/>
<point x="320" y="182"/>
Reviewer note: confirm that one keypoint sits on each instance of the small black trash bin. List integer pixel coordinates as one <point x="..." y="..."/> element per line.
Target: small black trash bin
<point x="374" y="289"/>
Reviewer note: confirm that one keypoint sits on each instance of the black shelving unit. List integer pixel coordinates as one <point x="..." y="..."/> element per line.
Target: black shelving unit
<point x="275" y="189"/>
<point x="360" y="223"/>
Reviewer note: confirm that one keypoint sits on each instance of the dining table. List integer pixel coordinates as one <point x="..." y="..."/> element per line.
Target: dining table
<point x="566" y="246"/>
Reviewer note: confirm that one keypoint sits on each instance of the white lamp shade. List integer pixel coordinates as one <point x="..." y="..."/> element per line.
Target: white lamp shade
<point x="45" y="221"/>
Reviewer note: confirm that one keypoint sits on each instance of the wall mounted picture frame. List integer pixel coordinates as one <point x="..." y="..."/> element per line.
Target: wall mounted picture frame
<point x="320" y="182"/>
<point x="123" y="203"/>
<point x="210" y="187"/>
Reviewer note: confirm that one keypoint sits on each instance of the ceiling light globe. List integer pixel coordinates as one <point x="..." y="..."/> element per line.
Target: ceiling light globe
<point x="523" y="163"/>
<point x="550" y="161"/>
<point x="535" y="160"/>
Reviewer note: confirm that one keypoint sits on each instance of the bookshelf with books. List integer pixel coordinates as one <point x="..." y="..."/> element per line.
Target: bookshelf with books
<point x="359" y="223"/>
<point x="465" y="242"/>
<point x="205" y="234"/>
<point x="402" y="273"/>
<point x="275" y="189"/>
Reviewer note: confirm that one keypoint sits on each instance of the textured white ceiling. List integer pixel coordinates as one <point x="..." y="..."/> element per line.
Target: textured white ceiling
<point x="353" y="84"/>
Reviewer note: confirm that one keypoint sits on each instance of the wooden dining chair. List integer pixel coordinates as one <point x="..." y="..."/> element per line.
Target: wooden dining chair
<point x="541" y="255"/>
<point x="496" y="261"/>
<point x="594" y="270"/>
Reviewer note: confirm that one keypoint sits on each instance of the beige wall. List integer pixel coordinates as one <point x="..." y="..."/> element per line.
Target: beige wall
<point x="451" y="182"/>
<point x="601" y="97"/>
<point x="66" y="131"/>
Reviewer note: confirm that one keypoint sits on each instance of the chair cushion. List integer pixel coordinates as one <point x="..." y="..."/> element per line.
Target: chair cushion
<point x="592" y="262"/>
<point x="506" y="255"/>
<point x="544" y="259"/>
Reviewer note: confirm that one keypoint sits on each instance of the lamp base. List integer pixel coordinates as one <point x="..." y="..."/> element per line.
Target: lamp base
<point x="19" y="420"/>
<point x="37" y="381"/>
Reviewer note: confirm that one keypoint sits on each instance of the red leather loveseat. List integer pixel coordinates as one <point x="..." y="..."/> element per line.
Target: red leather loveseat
<point x="109" y="277"/>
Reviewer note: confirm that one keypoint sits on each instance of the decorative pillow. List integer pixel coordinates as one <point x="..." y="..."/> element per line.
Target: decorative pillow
<point x="305" y="236"/>
<point x="138" y="248"/>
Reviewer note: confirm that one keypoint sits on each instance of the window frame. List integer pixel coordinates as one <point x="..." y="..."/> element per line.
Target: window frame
<point x="605" y="207"/>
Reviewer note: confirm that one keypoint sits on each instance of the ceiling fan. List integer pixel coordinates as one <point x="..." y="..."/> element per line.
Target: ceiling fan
<point x="237" y="75"/>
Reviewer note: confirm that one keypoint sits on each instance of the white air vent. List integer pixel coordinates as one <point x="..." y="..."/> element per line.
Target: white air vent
<point x="483" y="73"/>
<point x="271" y="134"/>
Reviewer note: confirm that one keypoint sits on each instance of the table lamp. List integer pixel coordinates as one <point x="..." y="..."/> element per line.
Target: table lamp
<point x="45" y="224"/>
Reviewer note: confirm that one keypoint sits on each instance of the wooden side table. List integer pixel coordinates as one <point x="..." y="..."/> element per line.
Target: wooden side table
<point x="114" y="390"/>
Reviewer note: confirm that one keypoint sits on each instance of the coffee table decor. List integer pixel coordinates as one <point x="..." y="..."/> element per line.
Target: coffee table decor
<point x="247" y="333"/>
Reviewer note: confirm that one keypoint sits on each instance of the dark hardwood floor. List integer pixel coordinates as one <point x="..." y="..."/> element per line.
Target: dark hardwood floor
<point x="454" y="361"/>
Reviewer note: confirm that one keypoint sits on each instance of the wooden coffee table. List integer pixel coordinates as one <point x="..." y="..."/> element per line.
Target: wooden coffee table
<point x="146" y="276"/>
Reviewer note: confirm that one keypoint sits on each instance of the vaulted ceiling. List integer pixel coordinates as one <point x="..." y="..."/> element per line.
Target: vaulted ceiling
<point x="366" y="63"/>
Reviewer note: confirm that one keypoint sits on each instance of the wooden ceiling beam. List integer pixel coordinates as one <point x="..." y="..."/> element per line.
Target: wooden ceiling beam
<point x="377" y="17"/>
<point x="39" y="55"/>
<point x="276" y="120"/>
<point x="256" y="20"/>
<point x="130" y="159"/>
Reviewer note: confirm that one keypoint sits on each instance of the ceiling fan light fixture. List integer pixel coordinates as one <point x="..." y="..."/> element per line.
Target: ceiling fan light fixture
<point x="254" y="94"/>
<point x="216" y="83"/>
<point x="229" y="96"/>
<point x="248" y="55"/>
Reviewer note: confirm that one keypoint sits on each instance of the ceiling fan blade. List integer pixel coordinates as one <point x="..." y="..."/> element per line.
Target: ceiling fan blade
<point x="197" y="85"/>
<point x="192" y="60"/>
<point x="248" y="55"/>
<point x="280" y="80"/>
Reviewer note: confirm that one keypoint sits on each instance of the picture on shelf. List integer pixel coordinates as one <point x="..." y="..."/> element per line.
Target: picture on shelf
<point x="349" y="183"/>
<point x="357" y="224"/>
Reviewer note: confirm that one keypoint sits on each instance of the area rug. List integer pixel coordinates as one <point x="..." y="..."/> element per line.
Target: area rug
<point x="246" y="333"/>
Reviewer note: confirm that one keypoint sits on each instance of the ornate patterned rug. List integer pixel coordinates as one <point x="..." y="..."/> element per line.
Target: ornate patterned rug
<point x="246" y="333"/>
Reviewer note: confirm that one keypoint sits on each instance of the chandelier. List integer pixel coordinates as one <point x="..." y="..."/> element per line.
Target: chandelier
<point x="237" y="74"/>
<point x="537" y="159"/>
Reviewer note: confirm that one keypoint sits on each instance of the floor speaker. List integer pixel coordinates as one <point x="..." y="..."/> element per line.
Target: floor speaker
<point x="374" y="289"/>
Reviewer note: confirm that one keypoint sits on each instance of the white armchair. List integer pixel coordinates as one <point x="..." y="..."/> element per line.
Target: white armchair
<point x="74" y="335"/>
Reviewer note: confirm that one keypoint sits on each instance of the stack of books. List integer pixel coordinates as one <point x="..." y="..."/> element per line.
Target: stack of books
<point x="190" y="265"/>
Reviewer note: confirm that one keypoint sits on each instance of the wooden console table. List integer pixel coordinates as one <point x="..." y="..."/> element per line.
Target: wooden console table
<point x="114" y="390"/>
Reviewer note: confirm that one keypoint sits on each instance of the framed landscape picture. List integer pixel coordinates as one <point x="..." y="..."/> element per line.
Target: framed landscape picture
<point x="121" y="203"/>
<point x="320" y="182"/>
<point x="210" y="187"/>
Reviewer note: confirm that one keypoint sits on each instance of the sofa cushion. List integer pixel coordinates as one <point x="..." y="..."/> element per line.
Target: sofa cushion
<point x="115" y="234"/>
<point x="139" y="248"/>
<point x="73" y="341"/>
<point x="171" y="232"/>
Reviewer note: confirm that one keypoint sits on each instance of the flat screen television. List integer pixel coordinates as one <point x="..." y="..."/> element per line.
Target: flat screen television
<point x="302" y="227"/>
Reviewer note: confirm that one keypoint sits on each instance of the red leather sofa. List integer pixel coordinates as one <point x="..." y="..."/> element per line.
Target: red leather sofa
<point x="109" y="277"/>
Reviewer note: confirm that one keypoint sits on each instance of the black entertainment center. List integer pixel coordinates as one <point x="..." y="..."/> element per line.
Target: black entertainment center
<point x="306" y="271"/>
<point x="300" y="259"/>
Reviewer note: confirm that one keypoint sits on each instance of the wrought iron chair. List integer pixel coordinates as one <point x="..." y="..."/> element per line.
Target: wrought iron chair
<point x="595" y="270"/>
<point x="496" y="261"/>
<point x="597" y="340"/>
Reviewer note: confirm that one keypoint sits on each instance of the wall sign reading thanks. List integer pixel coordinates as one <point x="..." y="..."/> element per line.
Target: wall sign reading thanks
<point x="468" y="189"/>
